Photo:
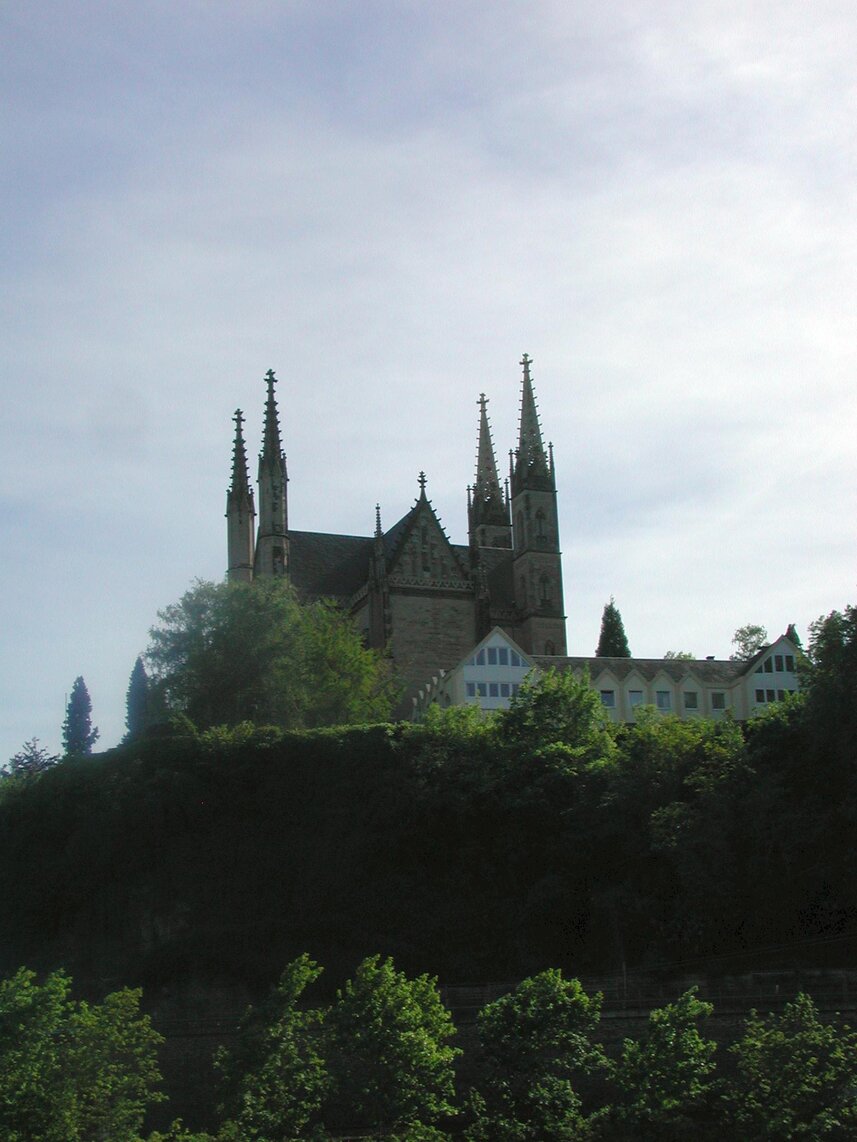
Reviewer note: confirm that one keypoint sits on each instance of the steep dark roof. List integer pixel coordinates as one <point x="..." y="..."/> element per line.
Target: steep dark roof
<point x="705" y="670"/>
<point x="332" y="566"/>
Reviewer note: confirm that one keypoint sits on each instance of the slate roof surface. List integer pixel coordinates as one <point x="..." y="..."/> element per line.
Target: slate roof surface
<point x="332" y="566"/>
<point x="705" y="670"/>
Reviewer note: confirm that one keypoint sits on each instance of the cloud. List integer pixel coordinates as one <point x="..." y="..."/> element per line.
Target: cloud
<point x="388" y="204"/>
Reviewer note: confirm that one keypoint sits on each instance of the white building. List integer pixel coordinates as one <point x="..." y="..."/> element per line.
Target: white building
<point x="492" y="673"/>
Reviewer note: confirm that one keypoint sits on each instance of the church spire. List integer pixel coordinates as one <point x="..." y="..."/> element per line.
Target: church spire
<point x="240" y="493"/>
<point x="272" y="545"/>
<point x="272" y="451"/>
<point x="240" y="510"/>
<point x="487" y="507"/>
<point x="531" y="467"/>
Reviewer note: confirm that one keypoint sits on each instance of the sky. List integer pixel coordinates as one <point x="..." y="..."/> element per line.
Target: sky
<point x="388" y="202"/>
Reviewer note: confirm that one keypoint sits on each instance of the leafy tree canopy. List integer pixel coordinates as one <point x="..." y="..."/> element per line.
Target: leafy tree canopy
<point x="377" y="1058"/>
<point x="388" y="1051"/>
<point x="680" y="656"/>
<point x="748" y="640"/>
<point x="536" y="1043"/>
<point x="233" y="652"/>
<point x="795" y="1077"/>
<point x="71" y="1071"/>
<point x="78" y="733"/>
<point x="665" y="1080"/>
<point x="558" y="708"/>
<point x="612" y="642"/>
<point x="276" y="1077"/>
<point x="30" y="760"/>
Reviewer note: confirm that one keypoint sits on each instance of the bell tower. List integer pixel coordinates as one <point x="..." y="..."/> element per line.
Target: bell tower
<point x="536" y="559"/>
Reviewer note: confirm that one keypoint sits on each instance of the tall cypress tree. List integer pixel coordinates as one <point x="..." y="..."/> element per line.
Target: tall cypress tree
<point x="78" y="733"/>
<point x="137" y="710"/>
<point x="612" y="642"/>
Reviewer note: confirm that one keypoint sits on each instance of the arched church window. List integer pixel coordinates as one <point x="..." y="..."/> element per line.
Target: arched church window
<point x="522" y="588"/>
<point x="541" y="534"/>
<point x="544" y="589"/>
<point x="550" y="648"/>
<point x="519" y="530"/>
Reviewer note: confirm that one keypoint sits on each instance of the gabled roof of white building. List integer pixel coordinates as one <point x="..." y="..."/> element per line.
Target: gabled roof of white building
<point x="707" y="671"/>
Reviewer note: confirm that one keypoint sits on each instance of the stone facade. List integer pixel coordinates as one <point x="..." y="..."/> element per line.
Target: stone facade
<point x="410" y="590"/>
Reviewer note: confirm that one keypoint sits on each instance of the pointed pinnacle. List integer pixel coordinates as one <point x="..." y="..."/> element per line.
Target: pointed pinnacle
<point x="271" y="448"/>
<point x="531" y="448"/>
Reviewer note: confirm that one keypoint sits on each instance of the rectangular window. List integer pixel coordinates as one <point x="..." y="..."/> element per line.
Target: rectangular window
<point x="608" y="698"/>
<point x="504" y="689"/>
<point x="769" y="666"/>
<point x="503" y="655"/>
<point x="471" y="689"/>
<point x="515" y="658"/>
<point x="515" y="689"/>
<point x="760" y="695"/>
<point x="480" y="657"/>
<point x="691" y="700"/>
<point x="790" y="663"/>
<point x="492" y="655"/>
<point x="781" y="695"/>
<point x="663" y="699"/>
<point x="482" y="689"/>
<point x="635" y="697"/>
<point x="778" y="663"/>
<point x="718" y="700"/>
<point x="770" y="696"/>
<point x="493" y="689"/>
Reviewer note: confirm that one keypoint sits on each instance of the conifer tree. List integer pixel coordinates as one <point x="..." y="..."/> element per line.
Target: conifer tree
<point x="78" y="733"/>
<point x="612" y="642"/>
<point x="137" y="709"/>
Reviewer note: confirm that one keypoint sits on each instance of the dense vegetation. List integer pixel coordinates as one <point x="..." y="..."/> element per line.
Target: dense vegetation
<point x="378" y="1058"/>
<point x="473" y="850"/>
<point x="470" y="849"/>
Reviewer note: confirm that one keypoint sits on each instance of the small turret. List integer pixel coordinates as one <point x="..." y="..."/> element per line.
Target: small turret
<point x="272" y="544"/>
<point x="240" y="512"/>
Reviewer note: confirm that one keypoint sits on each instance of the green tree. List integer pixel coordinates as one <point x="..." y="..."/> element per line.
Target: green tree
<point x="612" y="642"/>
<point x="71" y="1071"/>
<point x="748" y="640"/>
<point x="680" y="656"/>
<point x="390" y="1063"/>
<point x="78" y="733"/>
<point x="557" y="708"/>
<point x="276" y="1077"/>
<point x="665" y="1081"/>
<point x="137" y="701"/>
<point x="233" y="652"/>
<point x="796" y="1077"/>
<point x="536" y="1047"/>
<point x="30" y="760"/>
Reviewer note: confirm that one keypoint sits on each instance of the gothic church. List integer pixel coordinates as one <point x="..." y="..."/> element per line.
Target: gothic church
<point x="408" y="588"/>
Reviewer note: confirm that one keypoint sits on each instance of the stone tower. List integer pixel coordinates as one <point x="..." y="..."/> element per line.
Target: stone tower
<point x="536" y="563"/>
<point x="272" y="544"/>
<point x="240" y="512"/>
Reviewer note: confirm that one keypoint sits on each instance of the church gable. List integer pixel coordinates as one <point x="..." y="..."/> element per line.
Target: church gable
<point x="422" y="555"/>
